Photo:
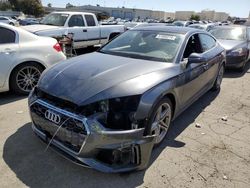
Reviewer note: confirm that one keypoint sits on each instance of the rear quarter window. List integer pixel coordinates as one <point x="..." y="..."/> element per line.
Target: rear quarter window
<point x="90" y="20"/>
<point x="7" y="36"/>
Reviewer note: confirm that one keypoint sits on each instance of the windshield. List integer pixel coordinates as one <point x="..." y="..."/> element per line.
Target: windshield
<point x="229" y="33"/>
<point x="55" y="19"/>
<point x="149" y="45"/>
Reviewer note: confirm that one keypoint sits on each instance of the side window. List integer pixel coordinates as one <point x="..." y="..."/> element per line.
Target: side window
<point x="3" y="19"/>
<point x="90" y="20"/>
<point x="76" y="20"/>
<point x="207" y="42"/>
<point x="193" y="46"/>
<point x="7" y="36"/>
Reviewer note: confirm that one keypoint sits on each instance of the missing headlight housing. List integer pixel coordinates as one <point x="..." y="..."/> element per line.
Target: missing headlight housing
<point x="117" y="113"/>
<point x="121" y="112"/>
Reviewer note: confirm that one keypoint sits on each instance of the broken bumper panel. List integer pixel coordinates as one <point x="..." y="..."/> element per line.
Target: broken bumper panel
<point x="87" y="143"/>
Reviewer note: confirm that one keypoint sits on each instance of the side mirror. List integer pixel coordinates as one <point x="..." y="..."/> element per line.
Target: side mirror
<point x="196" y="58"/>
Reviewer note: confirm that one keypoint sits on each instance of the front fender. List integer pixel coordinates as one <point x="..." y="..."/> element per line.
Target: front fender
<point x="150" y="98"/>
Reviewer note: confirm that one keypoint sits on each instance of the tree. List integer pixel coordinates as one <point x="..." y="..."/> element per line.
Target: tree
<point x="5" y="6"/>
<point x="195" y="17"/>
<point x="49" y="5"/>
<point x="68" y="5"/>
<point x="31" y="7"/>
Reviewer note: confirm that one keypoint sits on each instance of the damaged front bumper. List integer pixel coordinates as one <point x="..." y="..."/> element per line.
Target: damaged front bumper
<point x="86" y="142"/>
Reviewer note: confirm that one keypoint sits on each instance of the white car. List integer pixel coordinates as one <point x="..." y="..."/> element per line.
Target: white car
<point x="23" y="57"/>
<point x="7" y="20"/>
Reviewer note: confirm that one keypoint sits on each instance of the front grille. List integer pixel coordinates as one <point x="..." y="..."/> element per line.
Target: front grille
<point x="57" y="102"/>
<point x="72" y="133"/>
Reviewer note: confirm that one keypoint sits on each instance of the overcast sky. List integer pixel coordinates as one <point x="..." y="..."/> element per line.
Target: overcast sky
<point x="238" y="8"/>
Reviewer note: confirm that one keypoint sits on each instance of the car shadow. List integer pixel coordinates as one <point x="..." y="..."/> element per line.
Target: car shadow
<point x="25" y="155"/>
<point x="8" y="97"/>
<point x="232" y="73"/>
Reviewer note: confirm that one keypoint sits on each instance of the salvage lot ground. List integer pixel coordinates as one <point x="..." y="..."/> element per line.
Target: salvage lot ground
<point x="215" y="155"/>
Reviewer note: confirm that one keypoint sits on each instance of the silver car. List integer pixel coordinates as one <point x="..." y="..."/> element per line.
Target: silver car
<point x="23" y="57"/>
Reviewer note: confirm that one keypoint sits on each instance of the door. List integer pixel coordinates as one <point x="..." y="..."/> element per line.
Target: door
<point x="8" y="52"/>
<point x="213" y="56"/>
<point x="77" y="28"/>
<point x="194" y="74"/>
<point x="93" y="31"/>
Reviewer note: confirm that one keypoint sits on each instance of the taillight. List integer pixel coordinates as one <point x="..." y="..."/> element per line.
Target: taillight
<point x="57" y="47"/>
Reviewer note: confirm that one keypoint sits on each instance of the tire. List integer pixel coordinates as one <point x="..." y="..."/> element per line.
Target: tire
<point x="160" y="120"/>
<point x="11" y="23"/>
<point x="24" y="77"/>
<point x="219" y="78"/>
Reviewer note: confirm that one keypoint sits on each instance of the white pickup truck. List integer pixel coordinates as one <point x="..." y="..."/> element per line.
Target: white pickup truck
<point x="84" y="27"/>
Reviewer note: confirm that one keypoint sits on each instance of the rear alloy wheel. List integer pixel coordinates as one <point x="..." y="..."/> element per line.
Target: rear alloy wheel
<point x="25" y="77"/>
<point x="161" y="119"/>
<point x="219" y="78"/>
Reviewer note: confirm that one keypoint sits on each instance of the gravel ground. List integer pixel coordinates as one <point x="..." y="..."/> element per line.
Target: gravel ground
<point x="201" y="150"/>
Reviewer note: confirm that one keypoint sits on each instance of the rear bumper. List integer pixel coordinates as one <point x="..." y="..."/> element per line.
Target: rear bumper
<point x="104" y="150"/>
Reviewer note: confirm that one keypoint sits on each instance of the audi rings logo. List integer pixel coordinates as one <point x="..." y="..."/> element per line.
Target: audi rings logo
<point x="52" y="116"/>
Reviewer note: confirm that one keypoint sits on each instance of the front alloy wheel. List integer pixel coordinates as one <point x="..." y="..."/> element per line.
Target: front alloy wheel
<point x="161" y="120"/>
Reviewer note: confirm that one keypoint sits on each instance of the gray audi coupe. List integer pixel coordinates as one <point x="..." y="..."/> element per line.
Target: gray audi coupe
<point x="236" y="41"/>
<point x="108" y="109"/>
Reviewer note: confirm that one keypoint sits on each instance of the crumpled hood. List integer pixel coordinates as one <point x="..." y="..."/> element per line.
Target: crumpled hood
<point x="39" y="28"/>
<point x="96" y="76"/>
<point x="231" y="44"/>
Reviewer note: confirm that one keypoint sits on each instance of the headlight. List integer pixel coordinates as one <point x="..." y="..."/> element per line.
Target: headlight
<point x="237" y="52"/>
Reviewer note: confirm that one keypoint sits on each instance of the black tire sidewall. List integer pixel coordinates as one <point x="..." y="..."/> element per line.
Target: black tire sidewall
<point x="215" y="86"/>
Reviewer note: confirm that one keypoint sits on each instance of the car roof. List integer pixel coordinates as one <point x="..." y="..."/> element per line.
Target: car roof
<point x="71" y="13"/>
<point x="230" y="26"/>
<point x="181" y="21"/>
<point x="172" y="29"/>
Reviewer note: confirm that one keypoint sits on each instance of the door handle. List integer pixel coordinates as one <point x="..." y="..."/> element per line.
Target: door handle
<point x="205" y="66"/>
<point x="8" y="51"/>
<point x="84" y="30"/>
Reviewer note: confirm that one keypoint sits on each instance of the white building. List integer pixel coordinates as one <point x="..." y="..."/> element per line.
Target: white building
<point x="183" y="15"/>
<point x="207" y="14"/>
<point x="220" y="16"/>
